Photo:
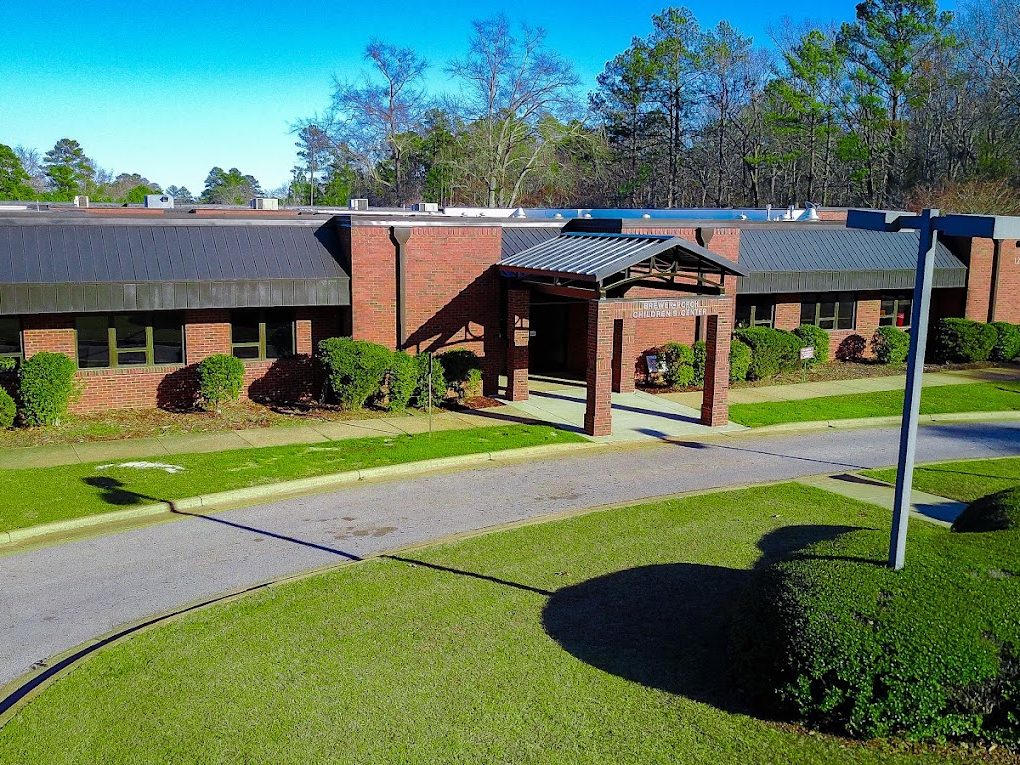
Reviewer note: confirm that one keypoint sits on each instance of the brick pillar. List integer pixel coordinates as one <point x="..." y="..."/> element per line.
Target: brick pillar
<point x="303" y="332"/>
<point x="518" y="323"/>
<point x="624" y="355"/>
<point x="715" y="401"/>
<point x="598" y="416"/>
<point x="206" y="333"/>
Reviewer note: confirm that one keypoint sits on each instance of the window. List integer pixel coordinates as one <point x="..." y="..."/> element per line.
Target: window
<point x="829" y="310"/>
<point x="261" y="335"/>
<point x="129" y="340"/>
<point x="896" y="312"/>
<point x="10" y="336"/>
<point x="756" y="312"/>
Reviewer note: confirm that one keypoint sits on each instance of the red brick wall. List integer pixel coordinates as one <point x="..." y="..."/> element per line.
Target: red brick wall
<point x="1007" y="298"/>
<point x="373" y="285"/>
<point x="868" y="310"/>
<point x="978" y="254"/>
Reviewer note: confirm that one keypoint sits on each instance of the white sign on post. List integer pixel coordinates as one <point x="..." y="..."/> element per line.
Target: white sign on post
<point x="807" y="353"/>
<point x="654" y="365"/>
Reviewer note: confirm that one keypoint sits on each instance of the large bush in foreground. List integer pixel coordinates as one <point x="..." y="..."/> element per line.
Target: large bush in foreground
<point x="996" y="512"/>
<point x="814" y="337"/>
<point x="8" y="409"/>
<point x="439" y="385"/>
<point x="890" y="345"/>
<point x="834" y="638"/>
<point x="220" y="380"/>
<point x="740" y="360"/>
<point x="963" y="341"/>
<point x="401" y="381"/>
<point x="772" y="351"/>
<point x="1007" y="343"/>
<point x="46" y="387"/>
<point x="355" y="369"/>
<point x="679" y="360"/>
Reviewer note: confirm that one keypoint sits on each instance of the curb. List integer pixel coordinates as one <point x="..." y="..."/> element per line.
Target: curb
<point x="894" y="420"/>
<point x="223" y="500"/>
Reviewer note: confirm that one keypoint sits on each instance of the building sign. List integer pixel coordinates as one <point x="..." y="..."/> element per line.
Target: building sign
<point x="655" y="366"/>
<point x="670" y="309"/>
<point x="807" y="353"/>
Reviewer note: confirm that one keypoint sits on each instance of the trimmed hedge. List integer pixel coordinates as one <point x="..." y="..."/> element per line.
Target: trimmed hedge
<point x="814" y="337"/>
<point x="439" y="386"/>
<point x="890" y="345"/>
<point x="835" y="639"/>
<point x="995" y="512"/>
<point x="772" y="351"/>
<point x="8" y="364"/>
<point x="463" y="371"/>
<point x="401" y="381"/>
<point x="46" y="387"/>
<point x="679" y="359"/>
<point x="8" y="410"/>
<point x="700" y="351"/>
<point x="963" y="341"/>
<point x="220" y="380"/>
<point x="355" y="369"/>
<point x="1007" y="344"/>
<point x="740" y="360"/>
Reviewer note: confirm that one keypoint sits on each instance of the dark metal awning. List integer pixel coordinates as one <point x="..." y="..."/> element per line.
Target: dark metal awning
<point x="594" y="265"/>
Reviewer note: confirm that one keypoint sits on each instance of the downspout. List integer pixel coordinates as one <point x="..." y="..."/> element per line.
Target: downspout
<point x="993" y="296"/>
<point x="400" y="235"/>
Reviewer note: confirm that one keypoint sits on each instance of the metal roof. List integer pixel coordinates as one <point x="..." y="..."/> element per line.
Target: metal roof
<point x="48" y="267"/>
<point x="595" y="257"/>
<point x="519" y="238"/>
<point x="834" y="259"/>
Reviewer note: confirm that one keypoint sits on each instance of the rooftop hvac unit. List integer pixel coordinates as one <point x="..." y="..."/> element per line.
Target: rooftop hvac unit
<point x="428" y="207"/>
<point x="159" y="201"/>
<point x="81" y="201"/>
<point x="265" y="203"/>
<point x="359" y="204"/>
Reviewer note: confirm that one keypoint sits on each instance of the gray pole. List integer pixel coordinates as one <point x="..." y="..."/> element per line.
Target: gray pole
<point x="912" y="399"/>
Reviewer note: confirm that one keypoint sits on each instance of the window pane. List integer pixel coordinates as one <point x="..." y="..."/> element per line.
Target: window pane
<point x="246" y="351"/>
<point x="93" y="341"/>
<point x="10" y="335"/>
<point x="846" y="314"/>
<point x="763" y="313"/>
<point x="244" y="327"/>
<point x="131" y="358"/>
<point x="167" y="338"/>
<point x="827" y="323"/>
<point x="279" y="339"/>
<point x="903" y="309"/>
<point x="807" y="312"/>
<point x="885" y="318"/>
<point x="130" y="329"/>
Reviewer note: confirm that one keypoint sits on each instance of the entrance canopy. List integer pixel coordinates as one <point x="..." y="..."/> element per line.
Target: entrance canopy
<point x="587" y="266"/>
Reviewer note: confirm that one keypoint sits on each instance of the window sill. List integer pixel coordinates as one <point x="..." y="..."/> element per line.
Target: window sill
<point x="100" y="371"/>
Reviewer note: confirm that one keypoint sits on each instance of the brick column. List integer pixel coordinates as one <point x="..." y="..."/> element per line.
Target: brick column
<point x="715" y="401"/>
<point x="624" y="354"/>
<point x="518" y="324"/>
<point x="598" y="416"/>
<point x="303" y="332"/>
<point x="206" y="333"/>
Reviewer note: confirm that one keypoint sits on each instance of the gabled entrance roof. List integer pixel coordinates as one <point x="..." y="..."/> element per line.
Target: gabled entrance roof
<point x="597" y="263"/>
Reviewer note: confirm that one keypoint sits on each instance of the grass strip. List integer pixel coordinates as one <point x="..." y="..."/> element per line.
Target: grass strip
<point x="597" y="639"/>
<point x="43" y="495"/>
<point x="942" y="399"/>
<point x="962" y="481"/>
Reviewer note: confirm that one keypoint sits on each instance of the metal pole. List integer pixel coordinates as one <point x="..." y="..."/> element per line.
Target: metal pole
<point x="912" y="398"/>
<point x="431" y="358"/>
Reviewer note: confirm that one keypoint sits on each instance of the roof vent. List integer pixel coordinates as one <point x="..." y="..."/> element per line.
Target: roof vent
<point x="358" y="204"/>
<point x="81" y="201"/>
<point x="265" y="203"/>
<point x="426" y="207"/>
<point x="159" y="201"/>
<point x="810" y="213"/>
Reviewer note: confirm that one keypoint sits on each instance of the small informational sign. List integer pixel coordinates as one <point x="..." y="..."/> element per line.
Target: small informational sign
<point x="807" y="353"/>
<point x="655" y="366"/>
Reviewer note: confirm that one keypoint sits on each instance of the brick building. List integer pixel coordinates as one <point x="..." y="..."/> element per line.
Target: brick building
<point x="138" y="297"/>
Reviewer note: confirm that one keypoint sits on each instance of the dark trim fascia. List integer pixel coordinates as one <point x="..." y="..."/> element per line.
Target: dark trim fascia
<point x="773" y="282"/>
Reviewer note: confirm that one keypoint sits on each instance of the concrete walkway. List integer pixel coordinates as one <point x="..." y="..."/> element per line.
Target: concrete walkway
<point x="930" y="507"/>
<point x="57" y="597"/>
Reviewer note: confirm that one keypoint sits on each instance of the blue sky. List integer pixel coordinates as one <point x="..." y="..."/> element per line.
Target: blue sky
<point x="171" y="89"/>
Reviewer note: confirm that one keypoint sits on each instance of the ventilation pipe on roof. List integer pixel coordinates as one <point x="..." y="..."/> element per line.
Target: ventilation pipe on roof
<point x="810" y="213"/>
<point x="400" y="235"/>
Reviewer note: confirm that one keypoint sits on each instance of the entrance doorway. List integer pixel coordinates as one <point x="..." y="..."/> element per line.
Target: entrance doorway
<point x="558" y="345"/>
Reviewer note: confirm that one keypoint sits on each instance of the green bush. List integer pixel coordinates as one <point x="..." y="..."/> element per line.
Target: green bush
<point x="401" y="381"/>
<point x="814" y="337"/>
<point x="439" y="386"/>
<point x="772" y="351"/>
<point x="8" y="409"/>
<point x="46" y="388"/>
<point x="220" y="380"/>
<point x="8" y="364"/>
<point x="1007" y="344"/>
<point x="836" y="639"/>
<point x="679" y="360"/>
<point x="852" y="348"/>
<point x="355" y="369"/>
<point x="996" y="512"/>
<point x="740" y="360"/>
<point x="700" y="349"/>
<point x="463" y="371"/>
<point x="963" y="341"/>
<point x="890" y="345"/>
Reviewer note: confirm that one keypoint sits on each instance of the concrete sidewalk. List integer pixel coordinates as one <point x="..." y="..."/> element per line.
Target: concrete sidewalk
<point x="191" y="443"/>
<point x="930" y="507"/>
<point x="800" y="391"/>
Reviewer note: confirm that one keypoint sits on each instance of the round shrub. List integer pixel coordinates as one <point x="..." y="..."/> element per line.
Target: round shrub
<point x="814" y="337"/>
<point x="401" y="381"/>
<point x="46" y="387"/>
<point x="772" y="351"/>
<point x="463" y="371"/>
<point x="679" y="359"/>
<point x="740" y="360"/>
<point x="834" y="638"/>
<point x="1007" y="344"/>
<point x="8" y="409"/>
<point x="963" y="341"/>
<point x="220" y="379"/>
<point x="439" y="386"/>
<point x="8" y="364"/>
<point x="996" y="512"/>
<point x="852" y="348"/>
<point x="700" y="349"/>
<point x="355" y="369"/>
<point x="890" y="345"/>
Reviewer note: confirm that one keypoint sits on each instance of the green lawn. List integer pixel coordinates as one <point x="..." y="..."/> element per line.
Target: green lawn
<point x="962" y="481"/>
<point x="941" y="399"/>
<point x="41" y="495"/>
<point x="596" y="639"/>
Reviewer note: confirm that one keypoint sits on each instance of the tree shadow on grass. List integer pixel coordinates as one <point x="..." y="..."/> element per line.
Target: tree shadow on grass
<point x="112" y="492"/>
<point x="667" y="626"/>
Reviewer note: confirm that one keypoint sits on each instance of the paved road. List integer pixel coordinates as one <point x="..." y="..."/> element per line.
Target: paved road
<point x="55" y="598"/>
